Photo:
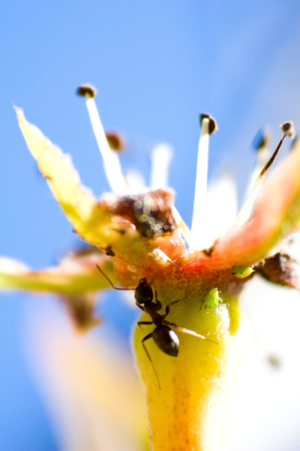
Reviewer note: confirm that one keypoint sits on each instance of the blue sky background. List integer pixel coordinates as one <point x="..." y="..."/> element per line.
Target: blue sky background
<point x="156" y="65"/>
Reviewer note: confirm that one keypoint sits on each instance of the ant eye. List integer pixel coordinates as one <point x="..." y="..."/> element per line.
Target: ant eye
<point x="143" y="292"/>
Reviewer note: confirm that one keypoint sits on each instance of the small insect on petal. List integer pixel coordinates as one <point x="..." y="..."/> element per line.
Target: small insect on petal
<point x="212" y="299"/>
<point x="240" y="272"/>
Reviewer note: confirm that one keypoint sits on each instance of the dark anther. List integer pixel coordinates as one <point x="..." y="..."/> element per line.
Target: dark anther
<point x="212" y="126"/>
<point x="288" y="129"/>
<point x="261" y="140"/>
<point x="86" y="91"/>
<point x="115" y="141"/>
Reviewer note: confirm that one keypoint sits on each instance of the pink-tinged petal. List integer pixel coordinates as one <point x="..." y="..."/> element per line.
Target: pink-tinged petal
<point x="94" y="220"/>
<point x="275" y="215"/>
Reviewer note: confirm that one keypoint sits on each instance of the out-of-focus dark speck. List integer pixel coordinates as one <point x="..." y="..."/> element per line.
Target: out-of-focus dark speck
<point x="274" y="361"/>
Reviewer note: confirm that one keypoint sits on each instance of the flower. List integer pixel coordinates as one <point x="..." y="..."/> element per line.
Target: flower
<point x="186" y="283"/>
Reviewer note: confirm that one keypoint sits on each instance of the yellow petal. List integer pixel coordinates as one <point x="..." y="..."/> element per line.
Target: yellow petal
<point x="92" y="220"/>
<point x="78" y="203"/>
<point x="71" y="276"/>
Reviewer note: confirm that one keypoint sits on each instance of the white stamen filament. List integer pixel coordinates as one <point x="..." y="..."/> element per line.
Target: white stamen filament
<point x="221" y="208"/>
<point x="161" y="157"/>
<point x="182" y="225"/>
<point x="111" y="160"/>
<point x="199" y="216"/>
<point x="246" y="209"/>
<point x="135" y="180"/>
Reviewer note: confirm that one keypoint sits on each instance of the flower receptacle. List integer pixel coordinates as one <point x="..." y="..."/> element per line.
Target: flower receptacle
<point x="188" y="407"/>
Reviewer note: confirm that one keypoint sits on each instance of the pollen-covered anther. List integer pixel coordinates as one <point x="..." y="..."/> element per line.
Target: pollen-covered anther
<point x="87" y="91"/>
<point x="288" y="129"/>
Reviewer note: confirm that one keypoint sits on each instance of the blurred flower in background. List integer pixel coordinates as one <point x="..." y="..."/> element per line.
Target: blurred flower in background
<point x="158" y="67"/>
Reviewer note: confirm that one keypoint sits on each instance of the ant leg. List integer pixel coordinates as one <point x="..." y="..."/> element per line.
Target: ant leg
<point x="110" y="282"/>
<point x="155" y="292"/>
<point x="189" y="332"/>
<point x="175" y="302"/>
<point x="144" y="323"/>
<point x="148" y="355"/>
<point x="201" y="305"/>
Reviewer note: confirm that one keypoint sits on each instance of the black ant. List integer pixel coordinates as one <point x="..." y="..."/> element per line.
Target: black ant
<point x="164" y="337"/>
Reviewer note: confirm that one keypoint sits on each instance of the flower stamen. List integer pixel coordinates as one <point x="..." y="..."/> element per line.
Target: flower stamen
<point x="111" y="160"/>
<point x="246" y="209"/>
<point x="262" y="148"/>
<point x="208" y="126"/>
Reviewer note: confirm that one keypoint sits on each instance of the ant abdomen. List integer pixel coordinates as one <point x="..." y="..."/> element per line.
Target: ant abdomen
<point x="166" y="340"/>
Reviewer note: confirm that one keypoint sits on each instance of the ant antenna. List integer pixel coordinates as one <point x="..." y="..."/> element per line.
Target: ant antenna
<point x="110" y="282"/>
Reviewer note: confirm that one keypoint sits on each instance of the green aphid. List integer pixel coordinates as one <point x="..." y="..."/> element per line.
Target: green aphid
<point x="242" y="271"/>
<point x="212" y="299"/>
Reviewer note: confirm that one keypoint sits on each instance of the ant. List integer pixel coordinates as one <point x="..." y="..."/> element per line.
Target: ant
<point x="165" y="338"/>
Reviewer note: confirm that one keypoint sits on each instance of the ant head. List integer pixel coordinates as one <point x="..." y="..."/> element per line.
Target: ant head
<point x="166" y="339"/>
<point x="143" y="292"/>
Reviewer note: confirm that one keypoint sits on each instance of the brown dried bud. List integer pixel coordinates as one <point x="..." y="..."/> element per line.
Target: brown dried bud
<point x="150" y="212"/>
<point x="87" y="91"/>
<point x="280" y="269"/>
<point x="212" y="126"/>
<point x="288" y="129"/>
